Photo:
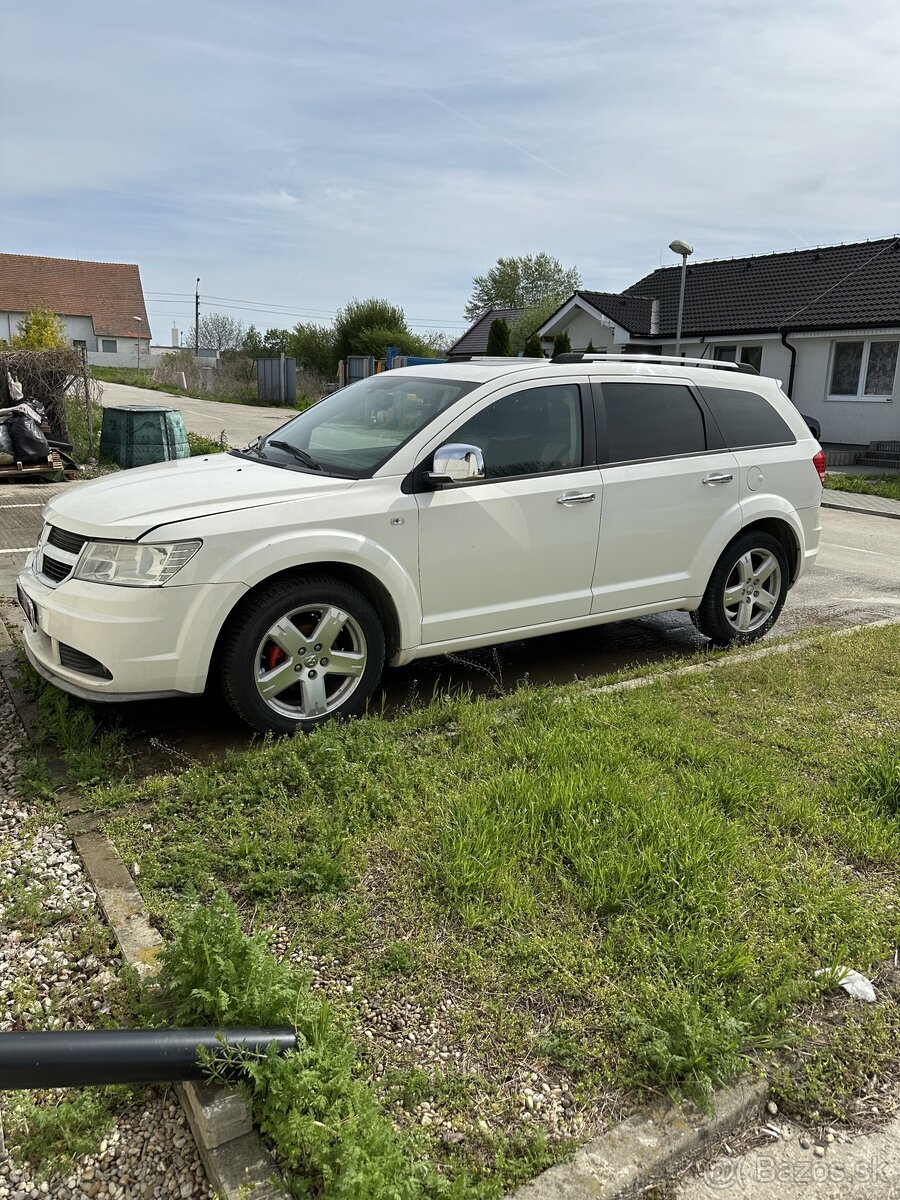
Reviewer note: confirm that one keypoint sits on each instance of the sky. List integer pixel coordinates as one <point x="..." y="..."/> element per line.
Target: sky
<point x="295" y="155"/>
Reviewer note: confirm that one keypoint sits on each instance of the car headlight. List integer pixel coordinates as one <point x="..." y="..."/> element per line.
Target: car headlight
<point x="133" y="564"/>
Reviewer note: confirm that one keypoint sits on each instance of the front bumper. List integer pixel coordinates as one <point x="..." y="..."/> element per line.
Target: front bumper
<point x="150" y="642"/>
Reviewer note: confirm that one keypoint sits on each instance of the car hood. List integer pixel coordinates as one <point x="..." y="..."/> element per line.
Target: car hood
<point x="131" y="503"/>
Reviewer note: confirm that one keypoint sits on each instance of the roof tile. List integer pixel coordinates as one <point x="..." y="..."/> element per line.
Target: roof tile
<point x="109" y="293"/>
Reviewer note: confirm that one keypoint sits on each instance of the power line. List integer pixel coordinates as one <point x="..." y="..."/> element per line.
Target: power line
<point x="238" y="305"/>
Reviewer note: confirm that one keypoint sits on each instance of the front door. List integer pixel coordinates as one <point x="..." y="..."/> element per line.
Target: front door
<point x="516" y="549"/>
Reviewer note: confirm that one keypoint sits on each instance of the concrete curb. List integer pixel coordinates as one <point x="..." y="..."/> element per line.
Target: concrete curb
<point x="641" y="1151"/>
<point x="866" y="512"/>
<point x="238" y="1164"/>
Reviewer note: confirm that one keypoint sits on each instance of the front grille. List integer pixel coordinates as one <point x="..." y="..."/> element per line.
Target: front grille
<point x="75" y="660"/>
<point x="65" y="540"/>
<point x="53" y="569"/>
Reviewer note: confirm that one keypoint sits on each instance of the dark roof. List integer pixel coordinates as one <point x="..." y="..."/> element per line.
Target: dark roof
<point x="832" y="287"/>
<point x="109" y="293"/>
<point x="629" y="310"/>
<point x="475" y="339"/>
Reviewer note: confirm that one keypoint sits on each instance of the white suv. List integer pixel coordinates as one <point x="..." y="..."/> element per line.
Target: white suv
<point x="425" y="510"/>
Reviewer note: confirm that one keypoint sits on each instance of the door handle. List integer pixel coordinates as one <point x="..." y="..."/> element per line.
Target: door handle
<point x="720" y="477"/>
<point x="576" y="498"/>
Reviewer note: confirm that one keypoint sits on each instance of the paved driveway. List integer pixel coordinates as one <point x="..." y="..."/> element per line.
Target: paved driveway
<point x="241" y="423"/>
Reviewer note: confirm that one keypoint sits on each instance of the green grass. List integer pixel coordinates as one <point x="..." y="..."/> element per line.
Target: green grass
<point x="626" y="893"/>
<point x="867" y="485"/>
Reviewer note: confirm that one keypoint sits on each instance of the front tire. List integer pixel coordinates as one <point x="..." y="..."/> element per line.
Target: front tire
<point x="746" y="591"/>
<point x="301" y="652"/>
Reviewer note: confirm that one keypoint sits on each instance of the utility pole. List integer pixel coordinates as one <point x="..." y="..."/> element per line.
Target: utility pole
<point x="197" y="320"/>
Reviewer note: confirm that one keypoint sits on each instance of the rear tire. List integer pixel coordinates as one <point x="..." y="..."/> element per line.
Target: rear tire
<point x="746" y="591"/>
<point x="301" y="652"/>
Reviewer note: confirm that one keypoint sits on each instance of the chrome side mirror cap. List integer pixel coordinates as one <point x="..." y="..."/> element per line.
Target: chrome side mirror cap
<point x="456" y="463"/>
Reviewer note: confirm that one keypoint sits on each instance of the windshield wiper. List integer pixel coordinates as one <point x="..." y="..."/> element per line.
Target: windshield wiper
<point x="300" y="455"/>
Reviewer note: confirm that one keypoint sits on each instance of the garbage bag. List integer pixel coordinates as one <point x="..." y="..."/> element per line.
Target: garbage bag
<point x="28" y="441"/>
<point x="7" y="454"/>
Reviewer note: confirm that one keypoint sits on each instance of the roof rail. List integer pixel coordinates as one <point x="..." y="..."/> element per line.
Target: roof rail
<point x="670" y="360"/>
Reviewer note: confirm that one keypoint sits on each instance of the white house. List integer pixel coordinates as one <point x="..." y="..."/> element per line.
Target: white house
<point x="101" y="304"/>
<point x="825" y="321"/>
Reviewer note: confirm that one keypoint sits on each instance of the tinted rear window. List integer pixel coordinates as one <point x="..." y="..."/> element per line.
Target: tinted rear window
<point x="651" y="420"/>
<point x="746" y="418"/>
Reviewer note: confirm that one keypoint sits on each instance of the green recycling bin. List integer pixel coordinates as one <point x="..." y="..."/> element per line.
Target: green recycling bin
<point x="134" y="435"/>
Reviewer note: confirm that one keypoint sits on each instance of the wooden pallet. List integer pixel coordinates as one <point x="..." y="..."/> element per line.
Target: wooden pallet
<point x="51" y="465"/>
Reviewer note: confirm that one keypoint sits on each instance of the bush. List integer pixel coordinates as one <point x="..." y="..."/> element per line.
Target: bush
<point x="498" y="344"/>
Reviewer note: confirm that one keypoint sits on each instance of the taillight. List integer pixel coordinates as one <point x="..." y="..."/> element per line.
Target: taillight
<point x="819" y="464"/>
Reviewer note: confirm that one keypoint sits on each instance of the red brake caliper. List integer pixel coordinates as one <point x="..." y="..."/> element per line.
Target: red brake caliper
<point x="273" y="656"/>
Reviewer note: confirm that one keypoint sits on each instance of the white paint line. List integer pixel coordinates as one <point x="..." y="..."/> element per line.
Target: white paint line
<point x="860" y="600"/>
<point x="2" y="506"/>
<point x="20" y="550"/>
<point x="856" y="549"/>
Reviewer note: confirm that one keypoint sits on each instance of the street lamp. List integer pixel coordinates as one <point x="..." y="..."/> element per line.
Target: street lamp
<point x="140" y="321"/>
<point x="684" y="249"/>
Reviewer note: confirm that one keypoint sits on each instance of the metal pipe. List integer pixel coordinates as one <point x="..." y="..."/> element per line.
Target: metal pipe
<point x="684" y="249"/>
<point x="104" y="1056"/>
<point x="793" y="352"/>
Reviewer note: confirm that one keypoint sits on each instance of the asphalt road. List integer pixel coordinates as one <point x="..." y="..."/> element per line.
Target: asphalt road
<point x="240" y="423"/>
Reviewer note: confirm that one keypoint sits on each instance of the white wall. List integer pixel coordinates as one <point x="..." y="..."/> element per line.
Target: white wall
<point x="77" y="328"/>
<point x="854" y="421"/>
<point x="126" y="355"/>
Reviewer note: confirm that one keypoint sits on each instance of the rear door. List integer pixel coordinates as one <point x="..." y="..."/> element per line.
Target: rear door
<point x="670" y="493"/>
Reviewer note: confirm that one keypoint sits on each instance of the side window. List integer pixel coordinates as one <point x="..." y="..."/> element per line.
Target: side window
<point x="108" y="345"/>
<point x="746" y="418"/>
<point x="651" y="420"/>
<point x="529" y="432"/>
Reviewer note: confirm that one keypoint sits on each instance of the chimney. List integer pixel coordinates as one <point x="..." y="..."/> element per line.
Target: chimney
<point x="176" y="337"/>
<point x="654" y="317"/>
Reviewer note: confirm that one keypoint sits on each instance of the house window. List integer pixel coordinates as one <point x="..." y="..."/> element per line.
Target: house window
<point x="109" y="345"/>
<point x="751" y="355"/>
<point x="79" y="343"/>
<point x="863" y="368"/>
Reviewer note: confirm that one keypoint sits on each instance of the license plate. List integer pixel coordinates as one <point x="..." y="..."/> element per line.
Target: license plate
<point x="28" y="607"/>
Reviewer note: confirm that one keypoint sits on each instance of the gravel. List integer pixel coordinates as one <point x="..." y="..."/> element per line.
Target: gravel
<point x="58" y="970"/>
<point x="394" y="1034"/>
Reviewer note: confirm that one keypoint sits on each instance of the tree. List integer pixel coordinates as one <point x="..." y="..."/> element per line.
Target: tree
<point x="275" y="342"/>
<point x="533" y="347"/>
<point x="529" y="321"/>
<point x="522" y="283"/>
<point x="41" y="329"/>
<point x="498" y="339"/>
<point x="313" y="347"/>
<point x="370" y="326"/>
<point x="562" y="344"/>
<point x="218" y="331"/>
<point x="252" y="345"/>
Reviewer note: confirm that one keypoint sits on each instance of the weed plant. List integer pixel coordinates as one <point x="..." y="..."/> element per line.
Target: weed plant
<point x="331" y="1137"/>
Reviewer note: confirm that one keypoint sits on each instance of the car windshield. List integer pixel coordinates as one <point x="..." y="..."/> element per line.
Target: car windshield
<point x="356" y="430"/>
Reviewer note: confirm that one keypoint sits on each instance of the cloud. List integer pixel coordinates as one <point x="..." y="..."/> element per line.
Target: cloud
<point x="302" y="155"/>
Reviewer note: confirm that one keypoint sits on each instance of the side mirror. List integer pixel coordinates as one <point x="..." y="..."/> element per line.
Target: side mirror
<point x="455" y="463"/>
